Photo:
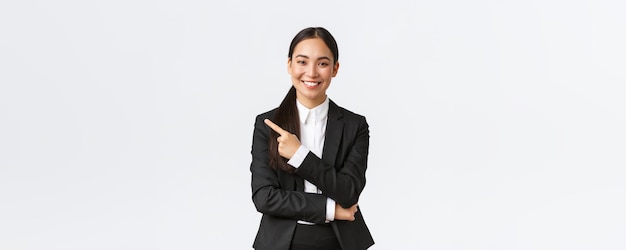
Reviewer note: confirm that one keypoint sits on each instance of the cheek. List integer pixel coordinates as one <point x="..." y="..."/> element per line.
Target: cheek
<point x="296" y="71"/>
<point x="327" y="72"/>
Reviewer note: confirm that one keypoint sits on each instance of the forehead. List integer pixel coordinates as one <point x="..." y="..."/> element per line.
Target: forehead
<point x="312" y="47"/>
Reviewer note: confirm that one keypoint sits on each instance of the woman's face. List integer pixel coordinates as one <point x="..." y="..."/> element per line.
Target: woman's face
<point x="311" y="68"/>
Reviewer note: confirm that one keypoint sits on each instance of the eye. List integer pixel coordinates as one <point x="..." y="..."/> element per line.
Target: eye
<point x="324" y="64"/>
<point x="301" y="62"/>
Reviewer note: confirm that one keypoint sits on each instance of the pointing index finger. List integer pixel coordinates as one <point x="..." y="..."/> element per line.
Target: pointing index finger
<point x="276" y="128"/>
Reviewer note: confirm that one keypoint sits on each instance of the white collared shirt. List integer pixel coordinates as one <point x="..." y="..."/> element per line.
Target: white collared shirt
<point x="312" y="134"/>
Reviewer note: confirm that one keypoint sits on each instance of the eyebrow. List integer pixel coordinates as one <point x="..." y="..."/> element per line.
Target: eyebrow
<point x="319" y="58"/>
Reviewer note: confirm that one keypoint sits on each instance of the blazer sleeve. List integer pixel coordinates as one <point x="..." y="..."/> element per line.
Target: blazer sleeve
<point x="343" y="183"/>
<point x="268" y="185"/>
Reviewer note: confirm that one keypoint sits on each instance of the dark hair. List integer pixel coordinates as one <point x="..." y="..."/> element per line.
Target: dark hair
<point x="315" y="32"/>
<point x="287" y="114"/>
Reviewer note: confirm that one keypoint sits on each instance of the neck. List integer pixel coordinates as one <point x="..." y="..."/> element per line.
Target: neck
<point x="310" y="103"/>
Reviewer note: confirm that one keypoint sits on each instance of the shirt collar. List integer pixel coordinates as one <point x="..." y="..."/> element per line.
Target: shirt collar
<point x="316" y="114"/>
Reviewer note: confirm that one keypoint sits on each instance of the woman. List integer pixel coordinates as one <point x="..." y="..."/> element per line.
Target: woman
<point x="309" y="158"/>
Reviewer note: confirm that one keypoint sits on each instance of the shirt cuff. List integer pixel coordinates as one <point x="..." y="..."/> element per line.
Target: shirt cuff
<point x="330" y="210"/>
<point x="297" y="158"/>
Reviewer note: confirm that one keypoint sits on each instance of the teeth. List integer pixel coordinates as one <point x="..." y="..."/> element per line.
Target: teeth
<point x="310" y="83"/>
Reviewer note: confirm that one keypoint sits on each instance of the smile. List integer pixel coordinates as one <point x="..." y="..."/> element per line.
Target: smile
<point x="310" y="84"/>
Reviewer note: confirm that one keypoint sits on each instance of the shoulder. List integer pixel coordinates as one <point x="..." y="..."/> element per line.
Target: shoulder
<point x="266" y="115"/>
<point x="259" y="124"/>
<point x="344" y="113"/>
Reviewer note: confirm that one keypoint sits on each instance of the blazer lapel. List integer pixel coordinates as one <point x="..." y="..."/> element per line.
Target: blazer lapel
<point x="334" y="129"/>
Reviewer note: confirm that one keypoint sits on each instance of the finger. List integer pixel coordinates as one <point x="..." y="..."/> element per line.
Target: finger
<point x="275" y="127"/>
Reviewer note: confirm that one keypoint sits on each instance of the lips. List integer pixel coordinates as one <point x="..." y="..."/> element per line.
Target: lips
<point x="310" y="83"/>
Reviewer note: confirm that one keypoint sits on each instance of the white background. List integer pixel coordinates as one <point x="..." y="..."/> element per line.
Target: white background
<point x="494" y="124"/>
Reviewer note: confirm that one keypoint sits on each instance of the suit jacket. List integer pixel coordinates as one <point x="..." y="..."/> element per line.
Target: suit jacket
<point x="340" y="174"/>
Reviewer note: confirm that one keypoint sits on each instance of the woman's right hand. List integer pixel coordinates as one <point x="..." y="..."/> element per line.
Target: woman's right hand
<point x="345" y="213"/>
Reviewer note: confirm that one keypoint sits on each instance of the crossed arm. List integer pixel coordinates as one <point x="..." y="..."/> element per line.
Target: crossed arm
<point x="270" y="198"/>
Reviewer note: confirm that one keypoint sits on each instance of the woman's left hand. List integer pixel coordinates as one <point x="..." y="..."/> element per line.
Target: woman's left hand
<point x="288" y="143"/>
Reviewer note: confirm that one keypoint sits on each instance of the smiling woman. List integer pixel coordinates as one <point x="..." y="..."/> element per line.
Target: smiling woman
<point x="311" y="70"/>
<point x="309" y="158"/>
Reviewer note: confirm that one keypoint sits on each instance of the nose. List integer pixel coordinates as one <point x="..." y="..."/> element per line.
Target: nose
<point x="312" y="71"/>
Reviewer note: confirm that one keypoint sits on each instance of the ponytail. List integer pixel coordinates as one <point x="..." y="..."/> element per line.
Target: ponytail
<point x="287" y="118"/>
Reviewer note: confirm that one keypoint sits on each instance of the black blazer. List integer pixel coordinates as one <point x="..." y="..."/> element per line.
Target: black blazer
<point x="340" y="174"/>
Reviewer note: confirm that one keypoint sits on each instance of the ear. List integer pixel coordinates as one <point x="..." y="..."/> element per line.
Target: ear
<point x="289" y="65"/>
<point x="335" y="69"/>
